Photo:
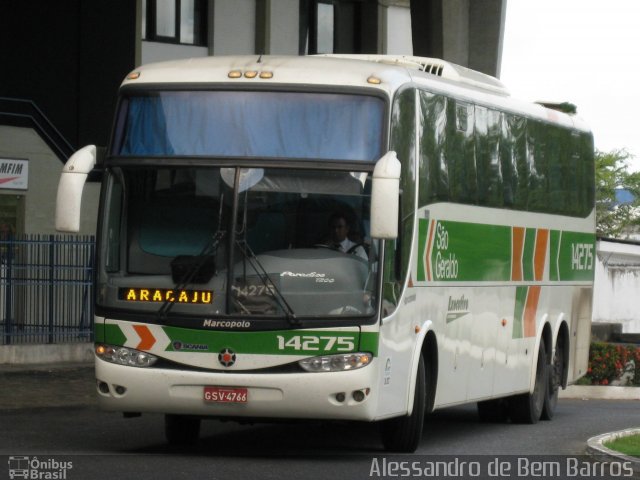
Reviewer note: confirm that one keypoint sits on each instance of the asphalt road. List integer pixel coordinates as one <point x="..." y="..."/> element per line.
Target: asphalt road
<point x="105" y="445"/>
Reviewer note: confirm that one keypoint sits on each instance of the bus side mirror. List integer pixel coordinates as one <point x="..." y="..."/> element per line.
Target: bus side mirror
<point x="70" y="186"/>
<point x="385" y="197"/>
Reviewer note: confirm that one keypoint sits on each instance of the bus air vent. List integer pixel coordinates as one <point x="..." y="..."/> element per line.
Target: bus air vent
<point x="437" y="67"/>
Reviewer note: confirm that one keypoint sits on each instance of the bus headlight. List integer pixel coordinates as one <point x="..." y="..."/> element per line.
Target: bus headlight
<point x="336" y="363"/>
<point x="125" y="356"/>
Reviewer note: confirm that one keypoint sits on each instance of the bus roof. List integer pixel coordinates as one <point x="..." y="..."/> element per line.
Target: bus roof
<point x="386" y="73"/>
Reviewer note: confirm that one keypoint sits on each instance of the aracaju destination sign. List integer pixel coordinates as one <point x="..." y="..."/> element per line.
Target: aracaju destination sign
<point x="451" y="251"/>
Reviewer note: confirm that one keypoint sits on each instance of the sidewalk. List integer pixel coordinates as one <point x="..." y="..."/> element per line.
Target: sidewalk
<point x="47" y="385"/>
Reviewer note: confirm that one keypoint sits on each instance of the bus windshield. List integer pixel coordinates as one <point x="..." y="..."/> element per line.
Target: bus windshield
<point x="216" y="241"/>
<point x="312" y="126"/>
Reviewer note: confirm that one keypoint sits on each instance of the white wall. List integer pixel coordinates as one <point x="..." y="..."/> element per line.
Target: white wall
<point x="44" y="172"/>
<point x="234" y="27"/>
<point x="617" y="285"/>
<point x="395" y="30"/>
<point x="283" y="19"/>
<point x="158" y="52"/>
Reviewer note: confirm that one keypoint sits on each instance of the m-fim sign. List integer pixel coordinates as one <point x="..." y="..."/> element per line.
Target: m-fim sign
<point x="14" y="174"/>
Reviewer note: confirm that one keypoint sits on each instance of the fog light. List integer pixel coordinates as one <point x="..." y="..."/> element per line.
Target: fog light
<point x="120" y="390"/>
<point x="358" y="395"/>
<point x="103" y="387"/>
<point x="340" y="397"/>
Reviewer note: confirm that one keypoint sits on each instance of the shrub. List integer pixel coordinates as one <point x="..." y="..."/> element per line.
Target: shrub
<point x="610" y="361"/>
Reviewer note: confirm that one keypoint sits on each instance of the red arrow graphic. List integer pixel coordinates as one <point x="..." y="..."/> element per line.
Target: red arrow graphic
<point x="147" y="340"/>
<point x="5" y="180"/>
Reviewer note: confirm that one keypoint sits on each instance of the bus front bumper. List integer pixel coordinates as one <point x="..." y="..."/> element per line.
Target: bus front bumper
<point x="287" y="395"/>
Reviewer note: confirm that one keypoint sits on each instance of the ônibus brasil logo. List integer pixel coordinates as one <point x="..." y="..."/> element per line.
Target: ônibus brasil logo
<point x="35" y="468"/>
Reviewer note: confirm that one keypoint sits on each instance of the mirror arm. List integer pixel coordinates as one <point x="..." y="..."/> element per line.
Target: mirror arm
<point x="69" y="197"/>
<point x="385" y="197"/>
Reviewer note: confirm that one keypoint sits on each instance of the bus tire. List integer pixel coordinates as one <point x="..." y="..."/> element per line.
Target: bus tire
<point x="553" y="385"/>
<point x="527" y="407"/>
<point x="403" y="434"/>
<point x="181" y="430"/>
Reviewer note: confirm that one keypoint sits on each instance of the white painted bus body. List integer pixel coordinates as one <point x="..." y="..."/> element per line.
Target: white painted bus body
<point x="477" y="357"/>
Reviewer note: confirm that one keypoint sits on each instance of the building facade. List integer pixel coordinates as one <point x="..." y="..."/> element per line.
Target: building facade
<point x="63" y="61"/>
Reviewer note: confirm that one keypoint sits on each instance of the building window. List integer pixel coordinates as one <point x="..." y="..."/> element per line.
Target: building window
<point x="325" y="22"/>
<point x="338" y="26"/>
<point x="175" y="21"/>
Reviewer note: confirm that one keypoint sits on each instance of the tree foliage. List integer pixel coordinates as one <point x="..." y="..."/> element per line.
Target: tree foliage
<point x="615" y="219"/>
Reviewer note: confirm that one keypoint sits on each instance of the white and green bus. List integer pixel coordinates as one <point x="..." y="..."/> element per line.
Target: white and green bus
<point x="220" y="292"/>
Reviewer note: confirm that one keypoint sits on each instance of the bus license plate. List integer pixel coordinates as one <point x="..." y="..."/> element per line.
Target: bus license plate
<point x="225" y="395"/>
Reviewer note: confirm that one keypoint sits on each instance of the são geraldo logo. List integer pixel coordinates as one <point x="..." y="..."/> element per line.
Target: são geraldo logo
<point x="40" y="469"/>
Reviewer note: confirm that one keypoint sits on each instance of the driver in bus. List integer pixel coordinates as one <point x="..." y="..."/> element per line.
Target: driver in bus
<point x="339" y="229"/>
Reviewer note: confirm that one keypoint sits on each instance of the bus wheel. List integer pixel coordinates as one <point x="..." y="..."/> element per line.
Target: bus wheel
<point x="553" y="385"/>
<point x="403" y="434"/>
<point x="527" y="407"/>
<point x="493" y="411"/>
<point x="181" y="429"/>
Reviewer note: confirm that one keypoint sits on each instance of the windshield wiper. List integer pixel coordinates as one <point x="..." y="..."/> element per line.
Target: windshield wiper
<point x="268" y="284"/>
<point x="193" y="270"/>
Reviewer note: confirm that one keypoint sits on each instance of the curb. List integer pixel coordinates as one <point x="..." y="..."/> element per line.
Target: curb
<point x="594" y="392"/>
<point x="596" y="448"/>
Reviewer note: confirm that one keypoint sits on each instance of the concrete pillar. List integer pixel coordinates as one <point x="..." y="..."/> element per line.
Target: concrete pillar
<point x="486" y="31"/>
<point x="234" y="27"/>
<point x="455" y="31"/>
<point x="466" y="32"/>
<point x="278" y="27"/>
<point x="394" y="21"/>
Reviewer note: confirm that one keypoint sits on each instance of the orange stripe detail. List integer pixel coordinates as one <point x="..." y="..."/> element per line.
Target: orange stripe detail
<point x="542" y="239"/>
<point x="147" y="340"/>
<point x="428" y="252"/>
<point x="517" y="236"/>
<point x="530" y="310"/>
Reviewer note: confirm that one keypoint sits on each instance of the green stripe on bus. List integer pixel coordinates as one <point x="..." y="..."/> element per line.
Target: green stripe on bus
<point x="423" y="234"/>
<point x="554" y="249"/>
<point x="369" y="342"/>
<point x="471" y="252"/>
<point x="576" y="253"/>
<point x="279" y="342"/>
<point x="518" y="313"/>
<point x="527" y="254"/>
<point x="113" y="335"/>
<point x="479" y="252"/>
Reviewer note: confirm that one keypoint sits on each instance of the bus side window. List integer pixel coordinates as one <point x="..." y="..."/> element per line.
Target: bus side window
<point x="488" y="132"/>
<point x="508" y="162"/>
<point x="538" y="169"/>
<point x="402" y="141"/>
<point x="434" y="173"/>
<point x="518" y="132"/>
<point x="460" y="149"/>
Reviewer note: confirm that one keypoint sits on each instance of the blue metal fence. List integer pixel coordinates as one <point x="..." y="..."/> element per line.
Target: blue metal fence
<point x="46" y="289"/>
